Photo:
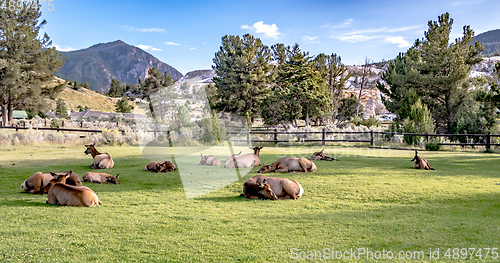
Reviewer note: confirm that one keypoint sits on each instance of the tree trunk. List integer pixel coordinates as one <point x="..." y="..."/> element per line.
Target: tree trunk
<point x="4" y="114"/>
<point x="11" y="112"/>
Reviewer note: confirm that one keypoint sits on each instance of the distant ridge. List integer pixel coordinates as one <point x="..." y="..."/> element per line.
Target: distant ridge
<point x="102" y="62"/>
<point x="491" y="42"/>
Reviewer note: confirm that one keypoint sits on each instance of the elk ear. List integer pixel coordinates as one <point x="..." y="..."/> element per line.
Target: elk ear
<point x="53" y="174"/>
<point x="323" y="150"/>
<point x="260" y="148"/>
<point x="201" y="155"/>
<point x="265" y="181"/>
<point x="117" y="176"/>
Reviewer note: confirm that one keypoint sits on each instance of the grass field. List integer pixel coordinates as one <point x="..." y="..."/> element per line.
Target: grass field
<point x="371" y="200"/>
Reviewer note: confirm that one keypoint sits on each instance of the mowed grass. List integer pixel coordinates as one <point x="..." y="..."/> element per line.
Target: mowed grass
<point x="370" y="199"/>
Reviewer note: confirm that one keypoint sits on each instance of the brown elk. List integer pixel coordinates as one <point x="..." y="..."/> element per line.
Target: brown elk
<point x="421" y="163"/>
<point x="245" y="160"/>
<point x="73" y="178"/>
<point x="290" y="165"/>
<point x="36" y="183"/>
<point x="163" y="167"/>
<point x="282" y="188"/>
<point x="210" y="160"/>
<point x="63" y="194"/>
<point x="101" y="160"/>
<point x="257" y="190"/>
<point x="100" y="178"/>
<point x="320" y="156"/>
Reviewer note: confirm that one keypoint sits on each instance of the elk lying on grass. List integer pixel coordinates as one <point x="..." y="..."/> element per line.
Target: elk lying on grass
<point x="63" y="194"/>
<point x="256" y="187"/>
<point x="210" y="160"/>
<point x="163" y="167"/>
<point x="100" y="178"/>
<point x="421" y="163"/>
<point x="36" y="183"/>
<point x="290" y="165"/>
<point x="101" y="160"/>
<point x="320" y="156"/>
<point x="73" y="178"/>
<point x="245" y="160"/>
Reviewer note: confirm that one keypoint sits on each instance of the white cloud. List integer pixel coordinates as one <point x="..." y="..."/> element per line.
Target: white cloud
<point x="63" y="48"/>
<point x="193" y="48"/>
<point x="172" y="44"/>
<point x="398" y="40"/>
<point x="144" y="30"/>
<point x="308" y="38"/>
<point x="354" y="38"/>
<point x="344" y="24"/>
<point x="146" y="47"/>
<point x="259" y="27"/>
<point x="406" y="28"/>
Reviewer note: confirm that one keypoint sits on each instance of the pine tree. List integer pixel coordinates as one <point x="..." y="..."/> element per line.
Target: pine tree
<point x="122" y="106"/>
<point x="243" y="72"/>
<point x="27" y="60"/>
<point x="436" y="70"/>
<point x="336" y="75"/>
<point x="300" y="82"/>
<point x="61" y="110"/>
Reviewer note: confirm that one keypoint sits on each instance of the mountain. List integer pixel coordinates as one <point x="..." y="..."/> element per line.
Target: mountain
<point x="201" y="76"/>
<point x="100" y="63"/>
<point x="491" y="42"/>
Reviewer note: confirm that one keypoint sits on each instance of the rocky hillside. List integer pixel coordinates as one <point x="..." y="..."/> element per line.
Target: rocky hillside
<point x="100" y="63"/>
<point x="82" y="97"/>
<point x="491" y="42"/>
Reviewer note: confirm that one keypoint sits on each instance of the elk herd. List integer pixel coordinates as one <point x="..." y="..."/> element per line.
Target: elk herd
<point x="65" y="188"/>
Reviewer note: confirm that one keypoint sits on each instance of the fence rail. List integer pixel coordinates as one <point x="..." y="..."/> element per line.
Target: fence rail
<point x="303" y="136"/>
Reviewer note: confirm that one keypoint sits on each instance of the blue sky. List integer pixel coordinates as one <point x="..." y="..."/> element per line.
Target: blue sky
<point x="186" y="34"/>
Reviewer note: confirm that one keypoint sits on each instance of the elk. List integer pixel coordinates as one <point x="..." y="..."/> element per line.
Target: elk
<point x="245" y="160"/>
<point x="101" y="160"/>
<point x="320" y="156"/>
<point x="210" y="160"/>
<point x="63" y="194"/>
<point x="282" y="188"/>
<point x="100" y="178"/>
<point x="290" y="165"/>
<point x="421" y="163"/>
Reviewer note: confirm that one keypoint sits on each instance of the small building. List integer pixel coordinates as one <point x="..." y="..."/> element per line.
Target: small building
<point x="17" y="114"/>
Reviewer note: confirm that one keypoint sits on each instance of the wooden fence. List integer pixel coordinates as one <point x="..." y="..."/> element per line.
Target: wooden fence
<point x="486" y="139"/>
<point x="303" y="137"/>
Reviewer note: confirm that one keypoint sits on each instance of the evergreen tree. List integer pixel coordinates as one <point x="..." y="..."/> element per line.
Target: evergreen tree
<point x="26" y="60"/>
<point x="419" y="120"/>
<point x="300" y="86"/>
<point x="122" y="106"/>
<point x="61" y="110"/>
<point x="115" y="88"/>
<point x="158" y="90"/>
<point x="336" y="75"/>
<point x="243" y="72"/>
<point x="436" y="70"/>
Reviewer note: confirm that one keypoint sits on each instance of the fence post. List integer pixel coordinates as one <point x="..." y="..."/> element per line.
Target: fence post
<point x="45" y="123"/>
<point x="323" y="136"/>
<point x="81" y="124"/>
<point x="488" y="141"/>
<point x="248" y="136"/>
<point x="371" y="137"/>
<point x="1" y="124"/>
<point x="62" y="124"/>
<point x="275" y="136"/>
<point x="427" y="137"/>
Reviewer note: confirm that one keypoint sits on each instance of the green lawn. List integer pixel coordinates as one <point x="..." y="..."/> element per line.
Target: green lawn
<point x="371" y="199"/>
